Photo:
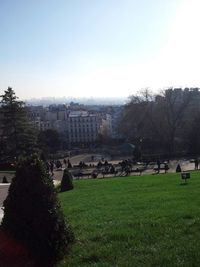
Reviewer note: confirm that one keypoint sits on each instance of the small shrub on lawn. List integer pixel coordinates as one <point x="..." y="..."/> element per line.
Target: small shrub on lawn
<point x="4" y="180"/>
<point x="67" y="181"/>
<point x="178" y="168"/>
<point x="32" y="213"/>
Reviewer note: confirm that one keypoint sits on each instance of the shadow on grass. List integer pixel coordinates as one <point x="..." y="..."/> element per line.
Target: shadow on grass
<point x="184" y="184"/>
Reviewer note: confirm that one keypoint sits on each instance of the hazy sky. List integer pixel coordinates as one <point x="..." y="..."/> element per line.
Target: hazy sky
<point x="98" y="47"/>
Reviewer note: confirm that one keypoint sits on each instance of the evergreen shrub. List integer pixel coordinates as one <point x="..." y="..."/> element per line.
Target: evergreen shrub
<point x="4" y="180"/>
<point x="32" y="213"/>
<point x="67" y="181"/>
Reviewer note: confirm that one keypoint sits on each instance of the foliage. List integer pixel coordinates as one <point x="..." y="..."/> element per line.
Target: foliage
<point x="6" y="166"/>
<point x="49" y="141"/>
<point x="32" y="213"/>
<point x="151" y="220"/>
<point x="193" y="137"/>
<point x="67" y="181"/>
<point x="17" y="136"/>
<point x="161" y="121"/>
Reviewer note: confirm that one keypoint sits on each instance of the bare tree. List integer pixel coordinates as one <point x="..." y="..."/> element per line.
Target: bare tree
<point x="157" y="119"/>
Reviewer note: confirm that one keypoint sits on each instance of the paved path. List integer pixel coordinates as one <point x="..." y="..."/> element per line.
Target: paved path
<point x="1" y="214"/>
<point x="3" y="194"/>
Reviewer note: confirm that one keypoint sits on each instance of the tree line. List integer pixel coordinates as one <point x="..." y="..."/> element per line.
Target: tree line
<point x="165" y="124"/>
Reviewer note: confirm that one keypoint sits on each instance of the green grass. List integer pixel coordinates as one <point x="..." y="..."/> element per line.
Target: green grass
<point x="150" y="220"/>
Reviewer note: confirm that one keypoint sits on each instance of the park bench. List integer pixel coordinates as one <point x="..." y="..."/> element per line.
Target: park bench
<point x="162" y="168"/>
<point x="77" y="175"/>
<point x="138" y="170"/>
<point x="104" y="173"/>
<point x="83" y="173"/>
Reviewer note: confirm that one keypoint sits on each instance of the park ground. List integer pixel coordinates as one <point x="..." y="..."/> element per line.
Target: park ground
<point x="151" y="220"/>
<point x="148" y="220"/>
<point x="185" y="165"/>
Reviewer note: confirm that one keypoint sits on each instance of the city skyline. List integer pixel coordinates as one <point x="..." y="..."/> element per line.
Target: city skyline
<point x="98" y="48"/>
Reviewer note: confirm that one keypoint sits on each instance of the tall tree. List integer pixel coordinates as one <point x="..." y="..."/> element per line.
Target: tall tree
<point x="139" y="123"/>
<point x="158" y="121"/>
<point x="173" y="110"/>
<point x="17" y="136"/>
<point x="193" y="136"/>
<point x="49" y="141"/>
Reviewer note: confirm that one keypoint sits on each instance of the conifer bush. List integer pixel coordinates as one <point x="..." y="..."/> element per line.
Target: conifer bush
<point x="32" y="213"/>
<point x="4" y="180"/>
<point x="67" y="181"/>
<point x="178" y="168"/>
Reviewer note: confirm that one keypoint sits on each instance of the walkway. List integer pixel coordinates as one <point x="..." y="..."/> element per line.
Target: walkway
<point x="3" y="194"/>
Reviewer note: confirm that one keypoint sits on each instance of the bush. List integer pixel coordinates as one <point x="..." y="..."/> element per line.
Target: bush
<point x="178" y="168"/>
<point x="32" y="213"/>
<point x="67" y="181"/>
<point x="4" y="180"/>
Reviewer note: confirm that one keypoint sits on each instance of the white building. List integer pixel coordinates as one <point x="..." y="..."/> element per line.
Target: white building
<point x="83" y="128"/>
<point x="77" y="127"/>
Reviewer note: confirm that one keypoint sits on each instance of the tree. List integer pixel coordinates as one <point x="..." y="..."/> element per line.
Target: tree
<point x="67" y="181"/>
<point x="49" y="141"/>
<point x="139" y="121"/>
<point x="32" y="213"/>
<point x="175" y="106"/>
<point x="158" y="120"/>
<point x="193" y="136"/>
<point x="17" y="136"/>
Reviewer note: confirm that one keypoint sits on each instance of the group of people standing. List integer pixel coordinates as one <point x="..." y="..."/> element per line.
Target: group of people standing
<point x="58" y="164"/>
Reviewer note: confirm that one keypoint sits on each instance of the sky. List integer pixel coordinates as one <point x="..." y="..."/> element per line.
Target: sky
<point x="98" y="48"/>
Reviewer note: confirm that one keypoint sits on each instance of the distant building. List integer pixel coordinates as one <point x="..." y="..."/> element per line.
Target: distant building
<point x="78" y="124"/>
<point x="116" y="117"/>
<point x="83" y="128"/>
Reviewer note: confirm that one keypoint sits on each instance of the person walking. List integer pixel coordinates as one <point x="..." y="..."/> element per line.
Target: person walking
<point x="196" y="164"/>
<point x="158" y="164"/>
<point x="166" y="167"/>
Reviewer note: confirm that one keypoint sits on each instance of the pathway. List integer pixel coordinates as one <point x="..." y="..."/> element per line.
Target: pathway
<point x="3" y="194"/>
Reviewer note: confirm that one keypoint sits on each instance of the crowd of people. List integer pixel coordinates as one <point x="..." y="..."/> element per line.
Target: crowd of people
<point x="126" y="166"/>
<point x="52" y="164"/>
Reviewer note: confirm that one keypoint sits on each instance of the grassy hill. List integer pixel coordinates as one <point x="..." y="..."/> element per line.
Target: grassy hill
<point x="134" y="221"/>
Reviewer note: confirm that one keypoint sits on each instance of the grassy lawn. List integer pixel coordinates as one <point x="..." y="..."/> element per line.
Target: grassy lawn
<point x="134" y="221"/>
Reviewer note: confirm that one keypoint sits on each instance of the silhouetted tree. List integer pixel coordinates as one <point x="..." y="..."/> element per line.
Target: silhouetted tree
<point x="193" y="137"/>
<point x="175" y="105"/>
<point x="158" y="120"/>
<point x="17" y="136"/>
